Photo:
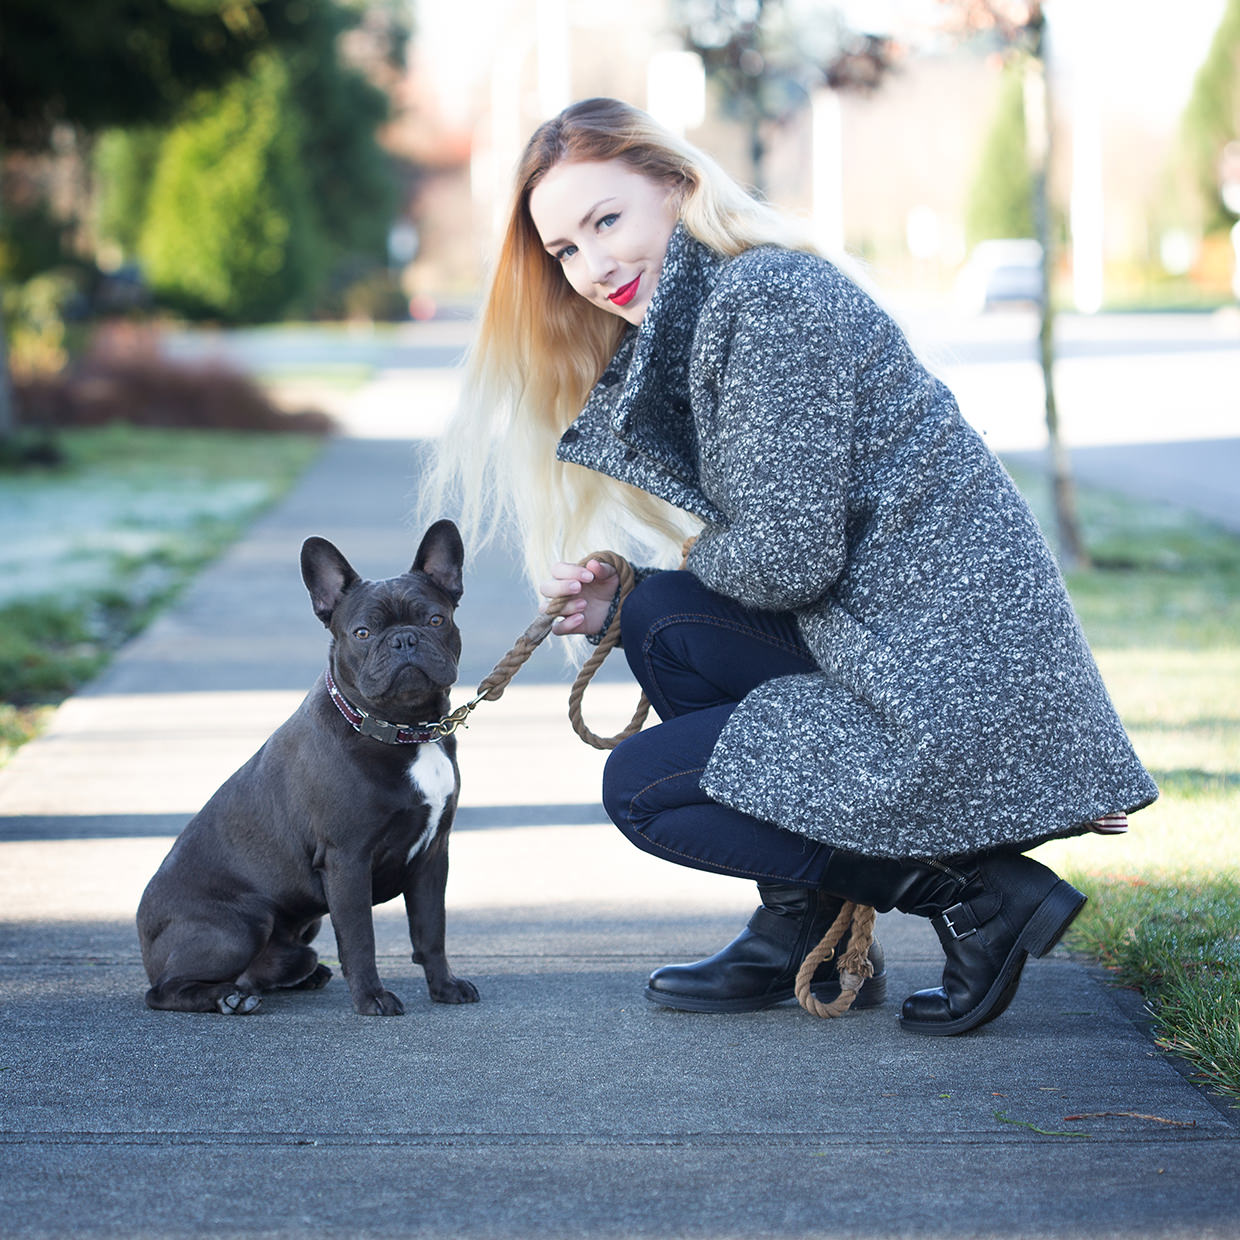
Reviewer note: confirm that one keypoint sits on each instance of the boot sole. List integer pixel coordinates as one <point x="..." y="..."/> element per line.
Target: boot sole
<point x="1049" y="923"/>
<point x="872" y="994"/>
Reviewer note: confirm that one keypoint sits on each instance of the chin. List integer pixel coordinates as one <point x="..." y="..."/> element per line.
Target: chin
<point x="408" y="685"/>
<point x="630" y="314"/>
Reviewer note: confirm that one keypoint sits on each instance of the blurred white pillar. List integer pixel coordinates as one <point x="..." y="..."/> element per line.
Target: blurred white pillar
<point x="827" y="174"/>
<point x="1080" y="43"/>
<point x="554" y="57"/>
<point x="508" y="123"/>
<point x="1235" y="271"/>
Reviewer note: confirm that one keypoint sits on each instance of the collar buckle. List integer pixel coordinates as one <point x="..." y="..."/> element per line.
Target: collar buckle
<point x="381" y="729"/>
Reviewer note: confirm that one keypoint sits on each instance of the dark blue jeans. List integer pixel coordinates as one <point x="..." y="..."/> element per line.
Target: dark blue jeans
<point x="696" y="654"/>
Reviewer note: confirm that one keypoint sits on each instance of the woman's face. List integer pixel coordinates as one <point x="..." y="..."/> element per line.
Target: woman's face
<point x="608" y="227"/>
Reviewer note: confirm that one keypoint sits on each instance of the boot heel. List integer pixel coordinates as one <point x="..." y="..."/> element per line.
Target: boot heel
<point x="1052" y="919"/>
<point x="873" y="992"/>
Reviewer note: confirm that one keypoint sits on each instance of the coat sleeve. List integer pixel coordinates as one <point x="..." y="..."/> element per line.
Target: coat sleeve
<point x="776" y="446"/>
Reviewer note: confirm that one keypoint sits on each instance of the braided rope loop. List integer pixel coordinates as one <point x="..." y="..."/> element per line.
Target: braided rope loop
<point x="607" y="643"/>
<point x="496" y="681"/>
<point x="854" y="966"/>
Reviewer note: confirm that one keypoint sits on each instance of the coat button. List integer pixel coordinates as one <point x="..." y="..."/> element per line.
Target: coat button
<point x="571" y="435"/>
<point x="630" y="454"/>
<point x="609" y="378"/>
<point x="681" y="406"/>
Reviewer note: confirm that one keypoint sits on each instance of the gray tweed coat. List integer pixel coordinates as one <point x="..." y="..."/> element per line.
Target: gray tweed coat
<point x="958" y="706"/>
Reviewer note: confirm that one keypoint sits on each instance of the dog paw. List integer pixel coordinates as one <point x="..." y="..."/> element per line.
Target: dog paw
<point x="454" y="990"/>
<point x="237" y="1003"/>
<point x="317" y="980"/>
<point x="382" y="1003"/>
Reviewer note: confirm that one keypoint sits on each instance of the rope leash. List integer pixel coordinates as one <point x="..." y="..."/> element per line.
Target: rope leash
<point x="493" y="685"/>
<point x="854" y="965"/>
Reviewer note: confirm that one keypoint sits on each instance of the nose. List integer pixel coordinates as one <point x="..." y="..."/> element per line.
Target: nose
<point x="599" y="264"/>
<point x="403" y="639"/>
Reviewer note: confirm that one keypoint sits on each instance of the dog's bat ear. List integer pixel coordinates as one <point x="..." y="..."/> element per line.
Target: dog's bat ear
<point x="441" y="556"/>
<point x="327" y="574"/>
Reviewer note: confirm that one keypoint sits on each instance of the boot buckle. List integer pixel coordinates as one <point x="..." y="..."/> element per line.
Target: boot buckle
<point x="960" y="912"/>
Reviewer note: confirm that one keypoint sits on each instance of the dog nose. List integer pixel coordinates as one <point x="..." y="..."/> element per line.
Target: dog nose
<point x="403" y="639"/>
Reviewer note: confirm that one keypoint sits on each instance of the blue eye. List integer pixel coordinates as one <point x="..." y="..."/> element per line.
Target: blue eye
<point x="608" y="220"/>
<point x="567" y="252"/>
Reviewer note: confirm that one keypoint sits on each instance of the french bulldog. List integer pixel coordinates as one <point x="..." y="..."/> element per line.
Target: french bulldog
<point x="339" y="810"/>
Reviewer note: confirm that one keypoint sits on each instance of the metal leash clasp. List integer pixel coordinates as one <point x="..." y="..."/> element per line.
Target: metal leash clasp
<point x="457" y="719"/>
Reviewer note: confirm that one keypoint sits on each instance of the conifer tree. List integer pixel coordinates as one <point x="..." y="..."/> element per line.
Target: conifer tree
<point x="229" y="231"/>
<point x="1001" y="196"/>
<point x="1212" y="116"/>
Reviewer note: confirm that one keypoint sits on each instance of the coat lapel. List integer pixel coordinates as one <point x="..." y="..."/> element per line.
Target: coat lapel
<point x="637" y="424"/>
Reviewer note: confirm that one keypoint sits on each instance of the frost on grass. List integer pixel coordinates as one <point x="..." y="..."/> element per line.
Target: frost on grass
<point x="71" y="536"/>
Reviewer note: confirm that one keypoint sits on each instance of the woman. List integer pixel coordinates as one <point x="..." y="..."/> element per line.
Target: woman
<point x="871" y="682"/>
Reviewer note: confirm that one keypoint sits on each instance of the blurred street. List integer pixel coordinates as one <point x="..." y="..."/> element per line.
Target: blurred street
<point x="1128" y="386"/>
<point x="1149" y="404"/>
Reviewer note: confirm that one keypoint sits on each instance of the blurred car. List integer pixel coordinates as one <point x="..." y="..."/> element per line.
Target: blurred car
<point x="1000" y="273"/>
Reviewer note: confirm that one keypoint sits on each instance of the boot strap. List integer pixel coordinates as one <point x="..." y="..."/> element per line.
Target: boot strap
<point x="962" y="920"/>
<point x="784" y="931"/>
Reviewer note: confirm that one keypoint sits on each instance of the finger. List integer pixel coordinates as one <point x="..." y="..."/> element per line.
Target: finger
<point x="560" y="588"/>
<point x="564" y="573"/>
<point x="564" y="606"/>
<point x="567" y="625"/>
<point x="600" y="569"/>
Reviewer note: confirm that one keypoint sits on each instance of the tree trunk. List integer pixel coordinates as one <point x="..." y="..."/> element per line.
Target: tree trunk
<point x="8" y="412"/>
<point x="1072" y="553"/>
<point x="757" y="152"/>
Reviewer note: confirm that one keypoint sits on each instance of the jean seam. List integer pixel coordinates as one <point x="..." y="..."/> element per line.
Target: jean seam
<point x="730" y="626"/>
<point x="736" y="871"/>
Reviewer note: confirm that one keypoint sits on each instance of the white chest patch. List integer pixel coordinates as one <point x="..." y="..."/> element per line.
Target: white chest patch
<point x="431" y="774"/>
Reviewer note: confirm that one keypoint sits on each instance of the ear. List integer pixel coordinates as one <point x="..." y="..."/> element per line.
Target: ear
<point x="441" y="556"/>
<point x="327" y="574"/>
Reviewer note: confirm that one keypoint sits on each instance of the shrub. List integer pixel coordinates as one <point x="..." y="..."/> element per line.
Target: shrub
<point x="230" y="230"/>
<point x="1001" y="196"/>
<point x="124" y="379"/>
<point x="1212" y="116"/>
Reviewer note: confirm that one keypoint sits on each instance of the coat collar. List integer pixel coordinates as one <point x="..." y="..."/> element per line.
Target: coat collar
<point x="637" y="424"/>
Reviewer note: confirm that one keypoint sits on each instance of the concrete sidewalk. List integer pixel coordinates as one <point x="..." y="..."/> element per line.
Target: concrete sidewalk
<point x="563" y="1104"/>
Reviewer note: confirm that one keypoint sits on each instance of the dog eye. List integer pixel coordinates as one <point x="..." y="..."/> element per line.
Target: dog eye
<point x="361" y="634"/>
<point x="435" y="621"/>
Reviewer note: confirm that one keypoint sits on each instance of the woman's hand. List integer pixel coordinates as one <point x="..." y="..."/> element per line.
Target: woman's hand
<point x="588" y="589"/>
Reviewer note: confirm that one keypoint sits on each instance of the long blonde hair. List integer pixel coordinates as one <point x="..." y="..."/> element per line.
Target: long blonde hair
<point x="541" y="347"/>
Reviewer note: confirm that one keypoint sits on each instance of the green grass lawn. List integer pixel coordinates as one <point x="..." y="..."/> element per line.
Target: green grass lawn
<point x="118" y="529"/>
<point x="1164" y="910"/>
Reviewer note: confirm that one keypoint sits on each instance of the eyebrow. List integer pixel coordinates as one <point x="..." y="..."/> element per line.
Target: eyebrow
<point x="585" y="219"/>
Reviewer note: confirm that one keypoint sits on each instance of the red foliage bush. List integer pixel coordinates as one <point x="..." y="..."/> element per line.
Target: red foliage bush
<point x="123" y="378"/>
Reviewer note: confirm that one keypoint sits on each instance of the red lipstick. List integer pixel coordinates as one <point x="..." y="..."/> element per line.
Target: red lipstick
<point x="625" y="293"/>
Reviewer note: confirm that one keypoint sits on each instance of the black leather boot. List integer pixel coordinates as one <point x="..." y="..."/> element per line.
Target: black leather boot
<point x="758" y="968"/>
<point x="990" y="913"/>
